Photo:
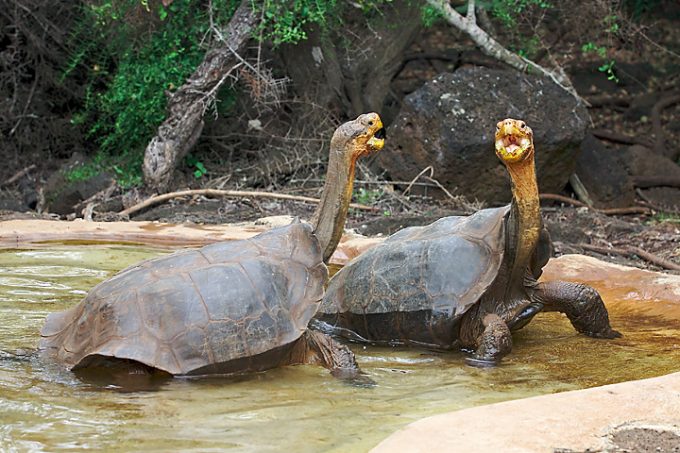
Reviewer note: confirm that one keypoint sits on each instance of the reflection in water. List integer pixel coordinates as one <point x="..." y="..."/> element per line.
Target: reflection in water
<point x="303" y="408"/>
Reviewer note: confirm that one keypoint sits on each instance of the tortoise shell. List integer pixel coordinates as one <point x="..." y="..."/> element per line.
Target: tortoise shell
<point x="415" y="287"/>
<point x="222" y="308"/>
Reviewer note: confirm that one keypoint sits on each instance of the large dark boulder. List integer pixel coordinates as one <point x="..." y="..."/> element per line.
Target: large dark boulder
<point x="645" y="166"/>
<point x="450" y="122"/>
<point x="602" y="173"/>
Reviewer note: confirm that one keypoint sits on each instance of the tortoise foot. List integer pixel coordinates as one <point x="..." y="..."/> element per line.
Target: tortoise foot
<point x="607" y="334"/>
<point x="493" y="344"/>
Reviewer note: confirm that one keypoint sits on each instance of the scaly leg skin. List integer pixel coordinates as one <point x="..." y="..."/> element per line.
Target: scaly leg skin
<point x="582" y="305"/>
<point x="318" y="348"/>
<point x="494" y="343"/>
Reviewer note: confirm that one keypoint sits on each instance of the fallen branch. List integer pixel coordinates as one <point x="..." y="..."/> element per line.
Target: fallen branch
<point x="562" y="198"/>
<point x="228" y="193"/>
<point x="609" y="211"/>
<point x="630" y="251"/>
<point x="18" y="175"/>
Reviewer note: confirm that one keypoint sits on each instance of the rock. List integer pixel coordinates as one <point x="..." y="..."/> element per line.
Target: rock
<point x="642" y="162"/>
<point x="641" y="106"/>
<point x="449" y="124"/>
<point x="610" y="418"/>
<point x="634" y="77"/>
<point x="590" y="420"/>
<point x="12" y="204"/>
<point x="61" y="195"/>
<point x="604" y="175"/>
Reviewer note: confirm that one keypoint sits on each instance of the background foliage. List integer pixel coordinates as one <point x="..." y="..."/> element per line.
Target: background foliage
<point x="134" y="53"/>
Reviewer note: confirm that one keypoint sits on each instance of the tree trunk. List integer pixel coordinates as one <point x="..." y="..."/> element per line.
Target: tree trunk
<point x="349" y="71"/>
<point x="186" y="107"/>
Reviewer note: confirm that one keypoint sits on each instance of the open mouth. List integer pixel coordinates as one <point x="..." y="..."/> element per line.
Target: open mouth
<point x="377" y="142"/>
<point x="512" y="147"/>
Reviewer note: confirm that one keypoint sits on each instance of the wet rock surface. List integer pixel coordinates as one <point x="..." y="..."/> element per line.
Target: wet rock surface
<point x="634" y="416"/>
<point x="449" y="124"/>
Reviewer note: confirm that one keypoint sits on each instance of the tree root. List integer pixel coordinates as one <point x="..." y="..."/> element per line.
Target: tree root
<point x="228" y="193"/>
<point x="630" y="251"/>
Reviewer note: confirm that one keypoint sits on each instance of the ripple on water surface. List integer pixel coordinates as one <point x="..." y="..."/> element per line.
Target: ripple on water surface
<point x="45" y="408"/>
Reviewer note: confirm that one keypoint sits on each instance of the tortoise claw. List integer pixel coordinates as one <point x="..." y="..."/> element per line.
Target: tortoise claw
<point x="608" y="334"/>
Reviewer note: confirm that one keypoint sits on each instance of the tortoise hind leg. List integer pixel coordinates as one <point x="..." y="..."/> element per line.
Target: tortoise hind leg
<point x="493" y="344"/>
<point x="581" y="303"/>
<point x="318" y="348"/>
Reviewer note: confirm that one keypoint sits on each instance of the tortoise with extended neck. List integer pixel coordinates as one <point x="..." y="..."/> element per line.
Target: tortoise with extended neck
<point x="228" y="307"/>
<point x="462" y="281"/>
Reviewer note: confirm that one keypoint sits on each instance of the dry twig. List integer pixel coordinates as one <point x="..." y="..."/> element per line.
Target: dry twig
<point x="228" y="193"/>
<point x="18" y="175"/>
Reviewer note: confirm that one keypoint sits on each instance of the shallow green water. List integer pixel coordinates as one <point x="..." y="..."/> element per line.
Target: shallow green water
<point x="303" y="408"/>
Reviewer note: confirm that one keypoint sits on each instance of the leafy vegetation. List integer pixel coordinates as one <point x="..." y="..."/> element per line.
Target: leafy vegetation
<point x="367" y="196"/>
<point x="285" y="21"/>
<point x="134" y="55"/>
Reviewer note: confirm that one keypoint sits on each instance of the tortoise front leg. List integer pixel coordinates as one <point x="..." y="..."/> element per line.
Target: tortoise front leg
<point x="494" y="343"/>
<point x="318" y="348"/>
<point x="581" y="303"/>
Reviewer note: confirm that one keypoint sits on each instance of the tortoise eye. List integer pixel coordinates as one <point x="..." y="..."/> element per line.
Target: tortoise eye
<point x="370" y="123"/>
<point x="522" y="125"/>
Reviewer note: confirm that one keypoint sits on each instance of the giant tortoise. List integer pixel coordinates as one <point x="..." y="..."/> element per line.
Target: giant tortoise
<point x="462" y="282"/>
<point x="229" y="307"/>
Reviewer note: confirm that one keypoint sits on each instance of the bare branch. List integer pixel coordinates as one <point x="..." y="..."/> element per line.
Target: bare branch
<point x="493" y="48"/>
<point x="470" y="15"/>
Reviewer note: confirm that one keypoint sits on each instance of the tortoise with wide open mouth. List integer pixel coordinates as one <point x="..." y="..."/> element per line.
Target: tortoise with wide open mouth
<point x="462" y="282"/>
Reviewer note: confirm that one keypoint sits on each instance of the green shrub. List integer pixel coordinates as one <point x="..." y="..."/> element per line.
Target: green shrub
<point x="134" y="54"/>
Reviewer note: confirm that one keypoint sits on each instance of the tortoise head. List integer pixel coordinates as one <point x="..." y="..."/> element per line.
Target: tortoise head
<point x="360" y="137"/>
<point x="514" y="141"/>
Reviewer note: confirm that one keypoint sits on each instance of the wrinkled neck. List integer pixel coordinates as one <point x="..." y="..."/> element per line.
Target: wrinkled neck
<point x="329" y="218"/>
<point x="528" y="215"/>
